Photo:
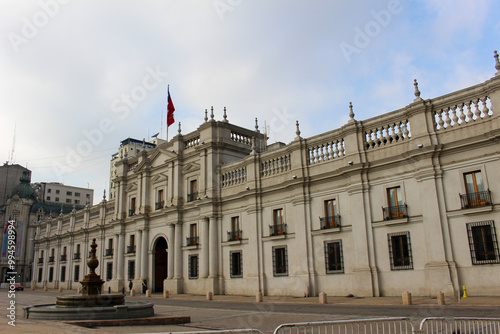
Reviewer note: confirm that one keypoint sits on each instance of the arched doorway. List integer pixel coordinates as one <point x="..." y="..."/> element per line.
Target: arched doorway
<point x="161" y="259"/>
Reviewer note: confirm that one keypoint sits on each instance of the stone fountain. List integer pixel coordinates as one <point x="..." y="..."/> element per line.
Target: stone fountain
<point x="90" y="304"/>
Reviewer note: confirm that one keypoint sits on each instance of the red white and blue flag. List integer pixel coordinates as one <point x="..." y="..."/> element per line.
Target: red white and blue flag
<point x="170" y="109"/>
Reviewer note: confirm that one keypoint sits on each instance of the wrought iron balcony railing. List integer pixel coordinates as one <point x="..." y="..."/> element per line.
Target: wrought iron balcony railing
<point x="395" y="212"/>
<point x="76" y="256"/>
<point x="330" y="222"/>
<point x="475" y="200"/>
<point x="109" y="252"/>
<point x="64" y="257"/>
<point x="234" y="235"/>
<point x="131" y="212"/>
<point x="130" y="249"/>
<point x="277" y="229"/>
<point x="40" y="260"/>
<point x="192" y="197"/>
<point x="159" y="205"/>
<point x="51" y="259"/>
<point x="191" y="241"/>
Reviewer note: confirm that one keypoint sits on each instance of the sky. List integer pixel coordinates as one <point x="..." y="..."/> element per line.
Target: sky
<point x="78" y="77"/>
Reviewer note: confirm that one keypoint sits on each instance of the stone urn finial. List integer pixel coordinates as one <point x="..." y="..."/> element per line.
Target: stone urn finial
<point x="93" y="262"/>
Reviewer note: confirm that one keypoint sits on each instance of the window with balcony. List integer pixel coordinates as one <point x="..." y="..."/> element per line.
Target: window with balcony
<point x="236" y="264"/>
<point x="400" y="251"/>
<point x="483" y="242"/>
<point x="476" y="196"/>
<point x="193" y="191"/>
<point x="109" y="250"/>
<point x="331" y="219"/>
<point x="160" y="200"/>
<point x="131" y="246"/>
<point x="396" y="209"/>
<point x="131" y="210"/>
<point x="279" y="226"/>
<point x="235" y="233"/>
<point x="193" y="266"/>
<point x="193" y="235"/>
<point x="333" y="257"/>
<point x="76" y="256"/>
<point x="280" y="261"/>
<point x="52" y="257"/>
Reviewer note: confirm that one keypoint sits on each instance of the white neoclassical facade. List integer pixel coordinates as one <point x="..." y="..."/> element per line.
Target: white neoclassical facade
<point x="407" y="200"/>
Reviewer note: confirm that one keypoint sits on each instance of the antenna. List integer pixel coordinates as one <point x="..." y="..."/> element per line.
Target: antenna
<point x="12" y="151"/>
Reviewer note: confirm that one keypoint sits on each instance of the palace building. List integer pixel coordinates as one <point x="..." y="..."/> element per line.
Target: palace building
<point x="408" y="200"/>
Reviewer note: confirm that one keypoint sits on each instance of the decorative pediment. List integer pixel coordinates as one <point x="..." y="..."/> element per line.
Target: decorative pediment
<point x="159" y="178"/>
<point x="190" y="167"/>
<point x="131" y="187"/>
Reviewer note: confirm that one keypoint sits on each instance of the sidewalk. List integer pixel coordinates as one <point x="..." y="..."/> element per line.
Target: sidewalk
<point x="211" y="318"/>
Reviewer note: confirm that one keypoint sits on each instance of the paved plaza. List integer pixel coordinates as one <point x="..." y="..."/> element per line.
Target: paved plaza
<point x="231" y="312"/>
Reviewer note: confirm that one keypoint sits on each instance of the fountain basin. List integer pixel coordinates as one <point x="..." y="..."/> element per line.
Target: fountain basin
<point x="79" y="300"/>
<point x="128" y="310"/>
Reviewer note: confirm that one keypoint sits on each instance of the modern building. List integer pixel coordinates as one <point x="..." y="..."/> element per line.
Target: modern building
<point x="408" y="200"/>
<point x="59" y="193"/>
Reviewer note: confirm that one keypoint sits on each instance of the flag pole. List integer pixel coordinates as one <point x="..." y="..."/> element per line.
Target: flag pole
<point x="168" y="86"/>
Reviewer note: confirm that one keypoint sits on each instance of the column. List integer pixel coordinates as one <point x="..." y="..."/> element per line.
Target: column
<point x="213" y="258"/>
<point x="144" y="253"/>
<point x="204" y="247"/>
<point x="178" y="251"/>
<point x="119" y="263"/>
<point x="115" y="255"/>
<point x="171" y="252"/>
<point x="138" y="249"/>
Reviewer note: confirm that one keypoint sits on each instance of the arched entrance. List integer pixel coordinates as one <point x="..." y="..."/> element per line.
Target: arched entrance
<point x="161" y="259"/>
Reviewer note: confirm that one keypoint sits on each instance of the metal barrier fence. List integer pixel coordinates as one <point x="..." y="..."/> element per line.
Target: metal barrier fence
<point x="382" y="325"/>
<point x="460" y="325"/>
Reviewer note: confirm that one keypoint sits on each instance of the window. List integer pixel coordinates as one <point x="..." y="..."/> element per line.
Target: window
<point x="193" y="191"/>
<point x="69" y="193"/>
<point x="400" y="251"/>
<point x="131" y="210"/>
<point x="76" y="256"/>
<point x="77" y="201"/>
<point x="280" y="260"/>
<point x="57" y="191"/>
<point x="396" y="207"/>
<point x="160" y="201"/>
<point x="109" y="271"/>
<point x="57" y="199"/>
<point x="49" y="190"/>
<point x="279" y="226"/>
<point x="131" y="247"/>
<point x="76" y="273"/>
<point x="483" y="242"/>
<point x="476" y="195"/>
<point x="333" y="257"/>
<point x="331" y="218"/>
<point x="236" y="264"/>
<point x="68" y="200"/>
<point x="63" y="274"/>
<point x="40" y="272"/>
<point x="235" y="233"/>
<point x="48" y="198"/>
<point x="193" y="266"/>
<point x="77" y="194"/>
<point x="193" y="235"/>
<point x="51" y="274"/>
<point x="109" y="250"/>
<point x="131" y="270"/>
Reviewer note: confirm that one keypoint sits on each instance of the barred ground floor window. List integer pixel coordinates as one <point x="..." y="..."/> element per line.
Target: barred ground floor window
<point x="63" y="273"/>
<point x="236" y="264"/>
<point x="76" y="275"/>
<point x="193" y="266"/>
<point x="334" y="261"/>
<point x="280" y="261"/>
<point x="40" y="273"/>
<point x="483" y="242"/>
<point x="400" y="251"/>
<point x="131" y="270"/>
